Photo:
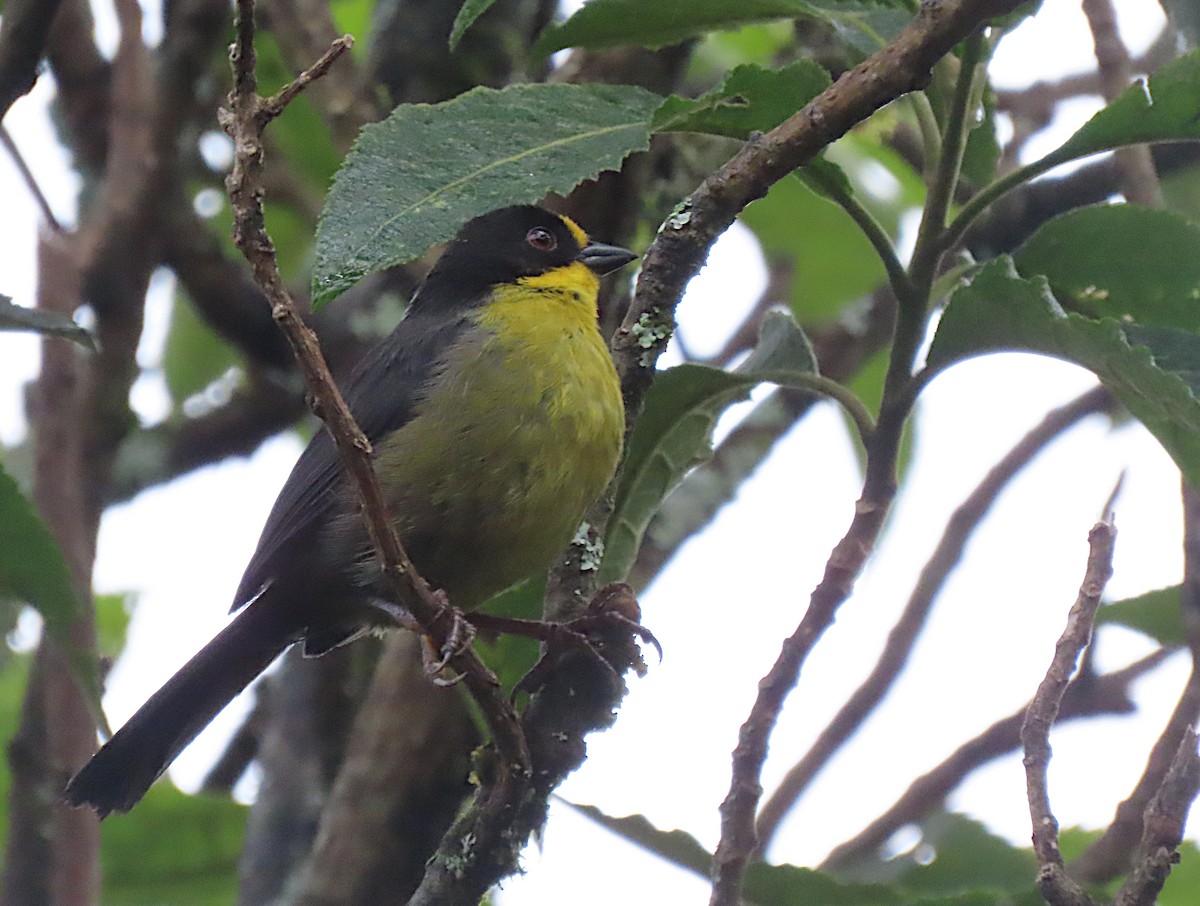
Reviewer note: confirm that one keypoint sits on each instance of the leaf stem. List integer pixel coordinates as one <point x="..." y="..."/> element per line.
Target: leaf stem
<point x="870" y="227"/>
<point x="840" y="394"/>
<point x="931" y="136"/>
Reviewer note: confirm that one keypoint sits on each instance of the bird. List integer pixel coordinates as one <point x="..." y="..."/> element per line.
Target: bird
<point x="495" y="416"/>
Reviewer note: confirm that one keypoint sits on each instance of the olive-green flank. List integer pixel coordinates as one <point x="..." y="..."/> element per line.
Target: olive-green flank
<point x="496" y="418"/>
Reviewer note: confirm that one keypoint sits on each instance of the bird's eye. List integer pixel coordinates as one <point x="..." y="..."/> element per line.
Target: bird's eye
<point x="541" y="239"/>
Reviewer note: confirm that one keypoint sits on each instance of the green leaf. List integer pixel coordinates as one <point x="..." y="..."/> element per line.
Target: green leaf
<point x="510" y="656"/>
<point x="865" y="26"/>
<point x="674" y="431"/>
<point x="676" y="846"/>
<point x="17" y="317"/>
<point x="415" y="178"/>
<point x="790" y="222"/>
<point x="764" y="884"/>
<point x="175" y="849"/>
<point x="750" y="99"/>
<point x="194" y="356"/>
<point x="112" y="622"/>
<point x="611" y="23"/>
<point x="33" y="571"/>
<point x="1184" y="880"/>
<point x="1163" y="109"/>
<point x="1155" y="613"/>
<point x="467" y="14"/>
<point x="966" y="857"/>
<point x="1151" y="370"/>
<point x="1120" y="261"/>
<point x="982" y="152"/>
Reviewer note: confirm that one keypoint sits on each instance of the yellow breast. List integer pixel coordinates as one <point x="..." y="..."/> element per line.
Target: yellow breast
<point x="527" y="433"/>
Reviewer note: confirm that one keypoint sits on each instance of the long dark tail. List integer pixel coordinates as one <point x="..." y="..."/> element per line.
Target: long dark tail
<point x="125" y="767"/>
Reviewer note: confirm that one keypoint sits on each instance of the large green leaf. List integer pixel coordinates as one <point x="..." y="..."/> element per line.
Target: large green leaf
<point x="1120" y="261"/>
<point x="750" y="99"/>
<point x="831" y="262"/>
<point x="17" y="317"/>
<point x="674" y="431"/>
<point x="1152" y="370"/>
<point x="1155" y="613"/>
<point x="610" y="23"/>
<point x="413" y="179"/>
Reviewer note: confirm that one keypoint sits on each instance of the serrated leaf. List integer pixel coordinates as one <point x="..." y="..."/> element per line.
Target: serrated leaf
<point x="674" y="432"/>
<point x="750" y="99"/>
<point x="17" y="317"/>
<point x="1000" y="311"/>
<point x="1155" y="613"/>
<point x="33" y="571"/>
<point x="467" y="14"/>
<point x="1166" y="108"/>
<point x="415" y="178"/>
<point x="1120" y="261"/>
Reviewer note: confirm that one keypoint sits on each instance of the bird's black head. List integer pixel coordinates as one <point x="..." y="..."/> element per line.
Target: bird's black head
<point x="507" y="244"/>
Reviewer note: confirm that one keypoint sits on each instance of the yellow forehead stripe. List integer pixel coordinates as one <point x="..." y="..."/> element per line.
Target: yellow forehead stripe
<point x="580" y="236"/>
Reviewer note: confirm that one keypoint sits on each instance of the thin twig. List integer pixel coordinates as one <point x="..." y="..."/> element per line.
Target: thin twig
<point x="245" y="121"/>
<point x="1057" y="888"/>
<point x="1086" y="696"/>
<point x="1110" y="855"/>
<point x="29" y="179"/>
<point x="893" y="658"/>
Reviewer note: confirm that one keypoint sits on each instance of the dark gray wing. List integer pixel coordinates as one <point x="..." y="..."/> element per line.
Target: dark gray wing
<point x="381" y="394"/>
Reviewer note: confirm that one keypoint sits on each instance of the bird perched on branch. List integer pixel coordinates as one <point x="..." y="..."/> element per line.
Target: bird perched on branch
<point x="496" y="418"/>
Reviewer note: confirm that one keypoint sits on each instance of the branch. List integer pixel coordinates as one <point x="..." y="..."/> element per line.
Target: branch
<point x="1111" y="854"/>
<point x="1056" y="887"/>
<point x="1166" y="817"/>
<point x="1086" y="696"/>
<point x="24" y="31"/>
<point x="245" y="122"/>
<point x="30" y="181"/>
<point x="942" y="562"/>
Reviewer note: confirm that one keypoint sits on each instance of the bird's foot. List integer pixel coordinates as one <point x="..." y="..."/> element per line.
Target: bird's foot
<point x="612" y="615"/>
<point x="435" y="658"/>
